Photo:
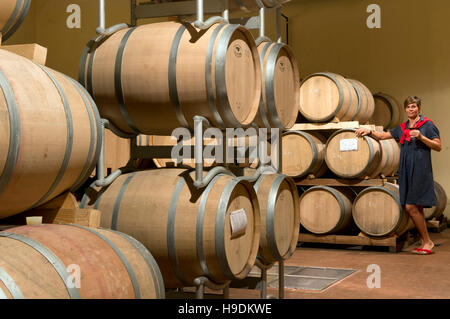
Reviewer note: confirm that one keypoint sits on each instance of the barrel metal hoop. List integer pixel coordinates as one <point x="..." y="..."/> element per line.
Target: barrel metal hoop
<point x="69" y="142"/>
<point x="220" y="76"/>
<point x="81" y="178"/>
<point x="220" y="228"/>
<point x="51" y="257"/>
<point x="10" y="284"/>
<point x="150" y="261"/>
<point x="90" y="67"/>
<point x="99" y="128"/>
<point x="341" y="93"/>
<point x="270" y="216"/>
<point x="341" y="205"/>
<point x="83" y="60"/>
<point x="239" y="3"/>
<point x="116" y="210"/>
<point x="349" y="89"/>
<point x="388" y="156"/>
<point x="262" y="107"/>
<point x="199" y="229"/>
<point x="208" y="77"/>
<point x="14" y="132"/>
<point x="121" y="256"/>
<point x="364" y="92"/>
<point x="313" y="145"/>
<point x="270" y="87"/>
<point x="391" y="106"/>
<point x="23" y="14"/>
<point x="118" y="80"/>
<point x="359" y="99"/>
<point x="371" y="155"/>
<point x="173" y="89"/>
<point x="171" y="232"/>
<point x="11" y="19"/>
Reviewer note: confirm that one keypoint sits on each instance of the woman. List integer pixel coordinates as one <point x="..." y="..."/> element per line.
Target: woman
<point x="417" y="136"/>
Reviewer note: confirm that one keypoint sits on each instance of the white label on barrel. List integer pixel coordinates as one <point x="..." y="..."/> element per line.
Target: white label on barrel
<point x="350" y="144"/>
<point x="238" y="221"/>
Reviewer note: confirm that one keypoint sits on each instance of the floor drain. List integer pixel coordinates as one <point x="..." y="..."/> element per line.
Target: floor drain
<point x="305" y="278"/>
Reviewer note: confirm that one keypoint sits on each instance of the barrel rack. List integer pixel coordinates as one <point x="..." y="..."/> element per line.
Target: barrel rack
<point x="201" y="181"/>
<point x="394" y="243"/>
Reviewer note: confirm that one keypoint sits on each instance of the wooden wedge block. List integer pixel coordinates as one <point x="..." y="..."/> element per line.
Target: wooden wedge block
<point x="33" y="51"/>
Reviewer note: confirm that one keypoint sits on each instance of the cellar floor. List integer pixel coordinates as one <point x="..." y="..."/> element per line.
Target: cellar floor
<point x="403" y="275"/>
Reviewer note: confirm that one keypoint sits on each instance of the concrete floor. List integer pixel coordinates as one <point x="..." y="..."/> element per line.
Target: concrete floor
<point x="403" y="275"/>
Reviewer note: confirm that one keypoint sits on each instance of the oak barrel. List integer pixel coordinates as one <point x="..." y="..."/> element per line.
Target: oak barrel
<point x="280" y="217"/>
<point x="366" y="103"/>
<point x="388" y="112"/>
<point x="441" y="203"/>
<point x="349" y="156"/>
<point x="390" y="157"/>
<point x="153" y="78"/>
<point x="303" y="153"/>
<point x="50" y="134"/>
<point x="325" y="95"/>
<point x="12" y="14"/>
<point x="212" y="232"/>
<point x="280" y="86"/>
<point x="377" y="211"/>
<point x="71" y="262"/>
<point x="327" y="210"/>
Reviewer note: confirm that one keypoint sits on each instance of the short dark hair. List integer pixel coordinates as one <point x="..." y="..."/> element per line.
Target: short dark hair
<point x="412" y="99"/>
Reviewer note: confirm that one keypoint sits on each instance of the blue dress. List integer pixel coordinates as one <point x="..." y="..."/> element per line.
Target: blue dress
<point x="415" y="172"/>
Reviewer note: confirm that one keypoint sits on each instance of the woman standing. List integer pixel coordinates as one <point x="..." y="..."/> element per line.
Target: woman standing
<point x="417" y="136"/>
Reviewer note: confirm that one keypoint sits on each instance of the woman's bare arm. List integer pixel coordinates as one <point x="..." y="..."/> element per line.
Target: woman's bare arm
<point x="434" y="144"/>
<point x="374" y="134"/>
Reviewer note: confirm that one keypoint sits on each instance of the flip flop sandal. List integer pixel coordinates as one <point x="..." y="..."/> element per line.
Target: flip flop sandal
<point x="424" y="251"/>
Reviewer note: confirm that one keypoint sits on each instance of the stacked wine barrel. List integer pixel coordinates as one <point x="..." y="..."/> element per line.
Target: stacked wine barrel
<point x="329" y="97"/>
<point x="50" y="141"/>
<point x="151" y="79"/>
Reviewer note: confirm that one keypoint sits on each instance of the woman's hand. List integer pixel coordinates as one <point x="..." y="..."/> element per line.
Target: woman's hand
<point x="362" y="132"/>
<point x="416" y="134"/>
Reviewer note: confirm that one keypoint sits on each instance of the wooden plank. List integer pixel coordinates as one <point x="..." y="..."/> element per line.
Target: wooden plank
<point x="62" y="209"/>
<point x="324" y="126"/>
<point x="340" y="182"/>
<point x="83" y="217"/>
<point x="347" y="240"/>
<point x="182" y="8"/>
<point x="33" y="51"/>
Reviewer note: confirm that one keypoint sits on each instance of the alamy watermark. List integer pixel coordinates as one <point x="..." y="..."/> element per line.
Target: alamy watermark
<point x="238" y="145"/>
<point x="374" y="279"/>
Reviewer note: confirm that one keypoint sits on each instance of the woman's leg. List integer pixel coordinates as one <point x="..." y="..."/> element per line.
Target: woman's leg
<point x="417" y="216"/>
